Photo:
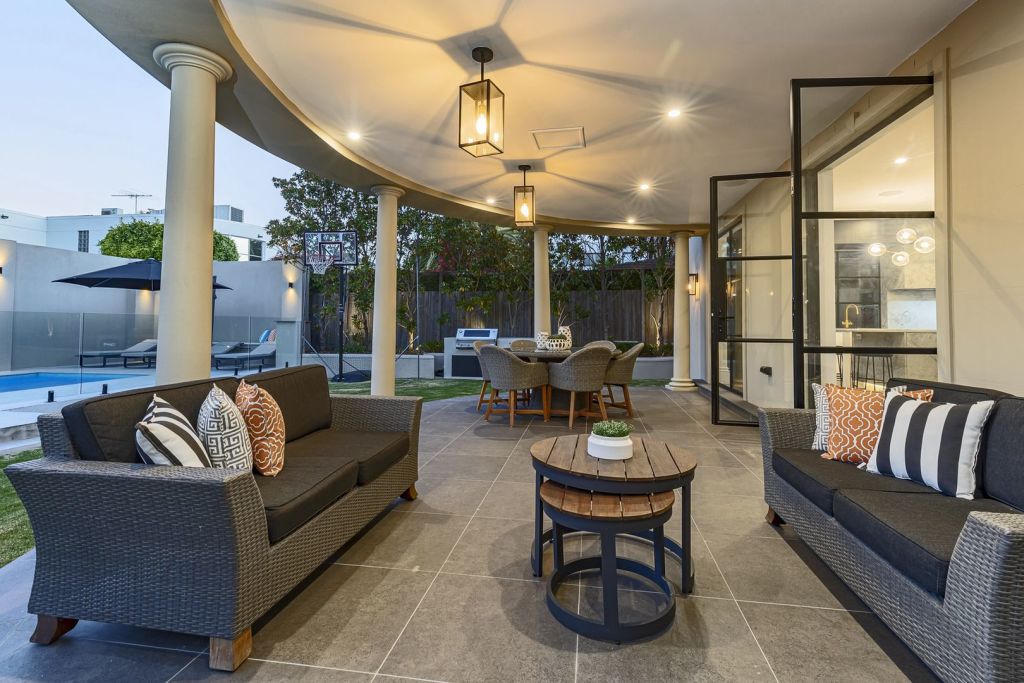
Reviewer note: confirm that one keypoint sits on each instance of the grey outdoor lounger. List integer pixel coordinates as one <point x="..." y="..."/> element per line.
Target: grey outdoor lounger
<point x="262" y="354"/>
<point x="149" y="357"/>
<point x="147" y="345"/>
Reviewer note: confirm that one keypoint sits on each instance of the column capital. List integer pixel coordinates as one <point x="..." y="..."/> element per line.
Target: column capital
<point x="172" y="55"/>
<point x="392" y="190"/>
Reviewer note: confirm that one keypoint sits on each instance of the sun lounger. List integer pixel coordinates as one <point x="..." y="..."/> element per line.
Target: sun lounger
<point x="149" y="357"/>
<point x="262" y="354"/>
<point x="141" y="347"/>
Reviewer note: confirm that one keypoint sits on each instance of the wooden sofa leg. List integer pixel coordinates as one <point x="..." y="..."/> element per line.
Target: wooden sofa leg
<point x="772" y="517"/>
<point x="227" y="654"/>
<point x="49" y="629"/>
<point x="410" y="493"/>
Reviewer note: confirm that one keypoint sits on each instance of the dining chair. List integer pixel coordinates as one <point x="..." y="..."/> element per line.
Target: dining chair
<point x="522" y="345"/>
<point x="512" y="374"/>
<point x="601" y="343"/>
<point x="485" y="385"/>
<point x="620" y="374"/>
<point x="581" y="373"/>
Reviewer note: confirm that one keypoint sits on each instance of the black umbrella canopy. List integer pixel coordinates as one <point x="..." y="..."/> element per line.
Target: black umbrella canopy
<point x="135" y="275"/>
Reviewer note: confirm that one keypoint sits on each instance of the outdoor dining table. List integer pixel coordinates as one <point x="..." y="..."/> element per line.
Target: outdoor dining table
<point x="559" y="398"/>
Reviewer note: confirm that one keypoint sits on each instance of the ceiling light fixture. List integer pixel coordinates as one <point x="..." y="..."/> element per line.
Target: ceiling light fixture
<point x="876" y="249"/>
<point x="899" y="161"/>
<point x="673" y="113"/>
<point x="481" y="112"/>
<point x="631" y="220"/>
<point x="490" y="200"/>
<point x="523" y="202"/>
<point x="906" y="235"/>
<point x="644" y="187"/>
<point x="354" y="135"/>
<point x="924" y="244"/>
<point x="900" y="258"/>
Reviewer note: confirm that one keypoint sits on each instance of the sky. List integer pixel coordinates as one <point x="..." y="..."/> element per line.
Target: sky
<point x="79" y="122"/>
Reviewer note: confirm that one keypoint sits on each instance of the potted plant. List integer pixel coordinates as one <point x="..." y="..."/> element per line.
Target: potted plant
<point x="609" y="440"/>
<point x="559" y="342"/>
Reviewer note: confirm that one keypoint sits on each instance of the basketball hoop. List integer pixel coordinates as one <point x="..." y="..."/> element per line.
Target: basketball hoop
<point x="319" y="262"/>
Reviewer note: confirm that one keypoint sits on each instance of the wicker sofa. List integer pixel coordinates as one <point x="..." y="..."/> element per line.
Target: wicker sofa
<point x="946" y="575"/>
<point x="196" y="550"/>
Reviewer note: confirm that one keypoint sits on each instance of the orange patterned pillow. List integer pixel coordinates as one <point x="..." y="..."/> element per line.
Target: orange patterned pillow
<point x="265" y="423"/>
<point x="855" y="419"/>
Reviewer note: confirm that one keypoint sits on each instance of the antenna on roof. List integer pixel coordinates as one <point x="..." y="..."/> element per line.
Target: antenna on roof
<point x="133" y="195"/>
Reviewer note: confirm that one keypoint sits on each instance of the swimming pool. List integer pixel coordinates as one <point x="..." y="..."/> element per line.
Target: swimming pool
<point x="45" y="380"/>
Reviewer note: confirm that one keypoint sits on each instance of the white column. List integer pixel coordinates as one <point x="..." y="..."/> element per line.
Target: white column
<point x="385" y="292"/>
<point x="541" y="283"/>
<point x="186" y="292"/>
<point x="681" y="316"/>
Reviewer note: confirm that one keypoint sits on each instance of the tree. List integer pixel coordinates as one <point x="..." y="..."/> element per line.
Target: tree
<point x="568" y="261"/>
<point x="658" y="277"/>
<point x="141" y="239"/>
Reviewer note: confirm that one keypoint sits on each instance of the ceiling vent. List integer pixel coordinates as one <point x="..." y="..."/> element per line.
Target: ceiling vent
<point x="560" y="138"/>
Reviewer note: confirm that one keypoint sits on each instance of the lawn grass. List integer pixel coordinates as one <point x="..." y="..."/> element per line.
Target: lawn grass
<point x="433" y="389"/>
<point x="15" y="532"/>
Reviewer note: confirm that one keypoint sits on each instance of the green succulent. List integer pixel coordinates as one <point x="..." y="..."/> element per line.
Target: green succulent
<point x="612" y="428"/>
<point x="557" y="337"/>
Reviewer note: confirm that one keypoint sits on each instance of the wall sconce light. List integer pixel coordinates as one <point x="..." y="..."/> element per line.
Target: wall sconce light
<point x="523" y="202"/>
<point x="481" y="112"/>
<point x="1" y="270"/>
<point x="291" y="285"/>
<point x="691" y="286"/>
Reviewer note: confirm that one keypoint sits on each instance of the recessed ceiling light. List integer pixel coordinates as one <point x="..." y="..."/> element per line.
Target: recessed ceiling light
<point x="673" y="113"/>
<point x="899" y="161"/>
<point x="490" y="200"/>
<point x="354" y="135"/>
<point x="645" y="186"/>
<point x="631" y="220"/>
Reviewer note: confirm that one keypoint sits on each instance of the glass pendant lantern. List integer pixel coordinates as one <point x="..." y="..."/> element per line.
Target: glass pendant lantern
<point x="523" y="202"/>
<point x="482" y="112"/>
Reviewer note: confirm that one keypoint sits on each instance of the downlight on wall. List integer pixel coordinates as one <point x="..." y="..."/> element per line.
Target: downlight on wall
<point x="523" y="202"/>
<point x="482" y="112"/>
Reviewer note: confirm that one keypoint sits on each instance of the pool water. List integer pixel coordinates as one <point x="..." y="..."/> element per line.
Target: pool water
<point x="41" y="380"/>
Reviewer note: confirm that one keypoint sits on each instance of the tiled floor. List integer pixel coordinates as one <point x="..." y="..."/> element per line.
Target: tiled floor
<point x="440" y="589"/>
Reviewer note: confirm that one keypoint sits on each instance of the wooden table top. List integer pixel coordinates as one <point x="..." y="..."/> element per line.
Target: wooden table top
<point x="592" y="505"/>
<point x="652" y="460"/>
<point x="551" y="355"/>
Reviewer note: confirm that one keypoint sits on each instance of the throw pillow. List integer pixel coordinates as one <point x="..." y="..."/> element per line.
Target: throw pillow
<point x="265" y="423"/>
<point x="166" y="437"/>
<point x="223" y="431"/>
<point x="821" y="418"/>
<point x="931" y="443"/>
<point x="855" y="418"/>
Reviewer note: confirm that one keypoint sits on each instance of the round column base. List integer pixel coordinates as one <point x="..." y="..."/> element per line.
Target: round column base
<point x="681" y="384"/>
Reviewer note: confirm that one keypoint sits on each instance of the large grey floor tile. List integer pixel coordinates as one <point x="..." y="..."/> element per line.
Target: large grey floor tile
<point x="131" y="635"/>
<point x="720" y="513"/>
<point x="348" y="617"/>
<point x="519" y="467"/>
<point x="482" y="446"/>
<point x="484" y="629"/>
<point x="407" y="540"/>
<point x="779" y="571"/>
<point x="85" y="661"/>
<point x="256" y="671"/>
<point x="15" y="586"/>
<point x="708" y="641"/>
<point x="805" y="644"/>
<point x="447" y="496"/>
<point x="509" y="500"/>
<point x="737" y="481"/>
<point x="462" y="466"/>
<point x="432" y="443"/>
<point x="707" y="454"/>
<point x="499" y="548"/>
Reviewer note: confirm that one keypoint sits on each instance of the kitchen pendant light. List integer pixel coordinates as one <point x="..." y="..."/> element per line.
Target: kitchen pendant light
<point x="482" y="112"/>
<point x="523" y="202"/>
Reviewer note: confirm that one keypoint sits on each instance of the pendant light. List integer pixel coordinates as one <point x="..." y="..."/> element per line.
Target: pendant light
<point x="482" y="112"/>
<point x="523" y="202"/>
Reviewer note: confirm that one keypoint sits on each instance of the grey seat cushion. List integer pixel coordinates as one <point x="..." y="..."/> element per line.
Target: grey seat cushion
<point x="914" y="533"/>
<point x="819" y="479"/>
<point x="303" y="396"/>
<point x="103" y="427"/>
<point x="308" y="484"/>
<point x="374" y="452"/>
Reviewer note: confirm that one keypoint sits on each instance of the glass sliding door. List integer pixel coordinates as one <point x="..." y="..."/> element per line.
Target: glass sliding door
<point x="863" y="232"/>
<point x="751" y="266"/>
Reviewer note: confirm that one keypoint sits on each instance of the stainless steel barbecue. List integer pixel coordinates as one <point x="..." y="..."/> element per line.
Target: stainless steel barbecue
<point x="465" y="336"/>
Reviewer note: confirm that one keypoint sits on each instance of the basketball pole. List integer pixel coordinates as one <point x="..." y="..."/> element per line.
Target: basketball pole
<point x="340" y="377"/>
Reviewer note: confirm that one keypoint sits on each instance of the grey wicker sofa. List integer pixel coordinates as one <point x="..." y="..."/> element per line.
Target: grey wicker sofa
<point x="946" y="575"/>
<point x="204" y="551"/>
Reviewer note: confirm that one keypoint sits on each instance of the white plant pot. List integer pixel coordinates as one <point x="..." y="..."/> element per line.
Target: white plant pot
<point x="610" y="447"/>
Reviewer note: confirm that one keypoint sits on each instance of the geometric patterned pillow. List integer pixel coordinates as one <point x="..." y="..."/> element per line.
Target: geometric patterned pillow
<point x="265" y="424"/>
<point x="821" y="418"/>
<point x="855" y="420"/>
<point x="223" y="431"/>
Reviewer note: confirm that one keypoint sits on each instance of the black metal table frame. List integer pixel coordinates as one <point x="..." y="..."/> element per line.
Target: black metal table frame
<point x="622" y="487"/>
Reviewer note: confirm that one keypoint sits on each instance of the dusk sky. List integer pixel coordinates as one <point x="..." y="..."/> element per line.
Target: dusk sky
<point x="80" y="121"/>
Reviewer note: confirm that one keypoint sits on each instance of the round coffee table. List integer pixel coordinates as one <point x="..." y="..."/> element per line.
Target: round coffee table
<point x="655" y="467"/>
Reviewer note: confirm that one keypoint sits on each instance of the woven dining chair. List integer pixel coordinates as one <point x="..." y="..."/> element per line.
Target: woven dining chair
<point x="601" y="343"/>
<point x="512" y="374"/>
<point x="620" y="374"/>
<point x="485" y="385"/>
<point x="581" y="373"/>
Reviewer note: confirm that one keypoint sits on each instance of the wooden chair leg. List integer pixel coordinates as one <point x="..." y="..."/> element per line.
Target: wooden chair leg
<point x="629" y="403"/>
<point x="49" y="629"/>
<point x="572" y="408"/>
<point x="512" y="408"/>
<point x="227" y="654"/>
<point x="410" y="493"/>
<point x="480" y="401"/>
<point x="772" y="517"/>
<point x="604" y="411"/>
<point x="490" y="404"/>
<point x="545" y="397"/>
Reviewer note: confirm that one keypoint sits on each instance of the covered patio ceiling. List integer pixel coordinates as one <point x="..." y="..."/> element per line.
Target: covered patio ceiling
<point x="365" y="93"/>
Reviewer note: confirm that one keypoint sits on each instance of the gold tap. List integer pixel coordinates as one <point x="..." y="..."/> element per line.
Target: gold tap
<point x="846" y="315"/>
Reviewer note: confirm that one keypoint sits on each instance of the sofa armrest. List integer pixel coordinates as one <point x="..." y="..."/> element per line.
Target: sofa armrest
<point x="175" y="548"/>
<point x="378" y="414"/>
<point x="784" y="428"/>
<point x="985" y="591"/>
<point x="54" y="436"/>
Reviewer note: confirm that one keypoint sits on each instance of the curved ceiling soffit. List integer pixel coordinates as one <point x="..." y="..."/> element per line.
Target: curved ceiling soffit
<point x="435" y="200"/>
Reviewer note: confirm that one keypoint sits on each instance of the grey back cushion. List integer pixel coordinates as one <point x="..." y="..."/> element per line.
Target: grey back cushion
<point x="948" y="393"/>
<point x="303" y="396"/>
<point x="103" y="427"/>
<point x="1002" y="454"/>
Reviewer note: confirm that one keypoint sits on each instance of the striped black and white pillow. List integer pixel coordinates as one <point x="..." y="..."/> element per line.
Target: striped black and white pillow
<point x="165" y="437"/>
<point x="934" y="444"/>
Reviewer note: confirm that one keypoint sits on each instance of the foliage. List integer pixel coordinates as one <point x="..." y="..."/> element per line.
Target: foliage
<point x="657" y="351"/>
<point x="432" y="346"/>
<point x="429" y="389"/>
<point x="612" y="428"/>
<point x="567" y="258"/>
<point x="142" y="239"/>
<point x="15" y="531"/>
<point x="658" y="278"/>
